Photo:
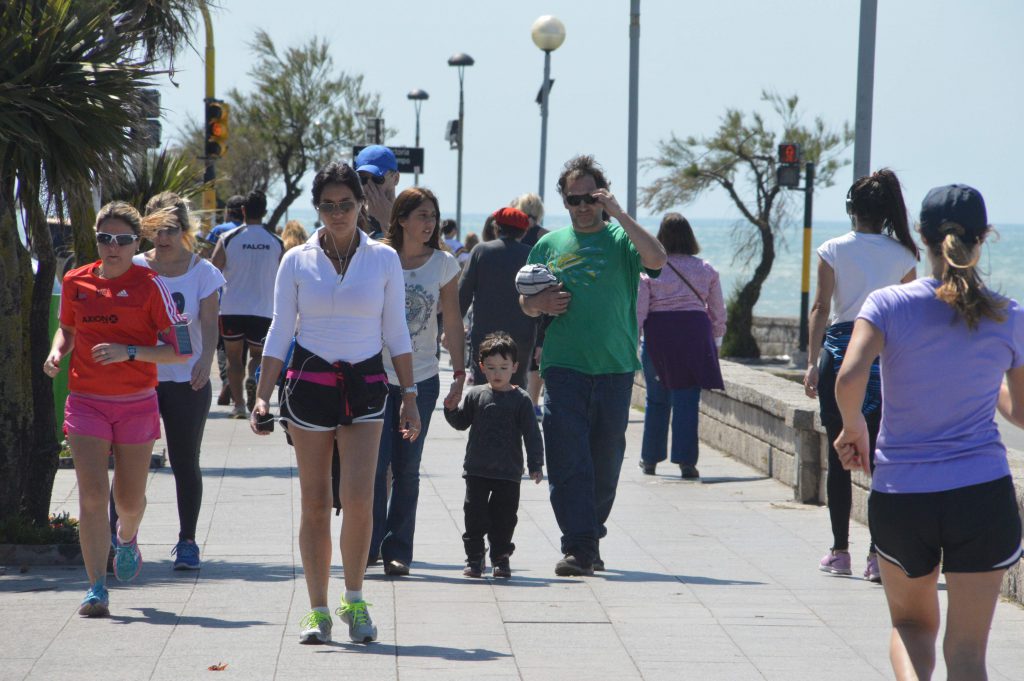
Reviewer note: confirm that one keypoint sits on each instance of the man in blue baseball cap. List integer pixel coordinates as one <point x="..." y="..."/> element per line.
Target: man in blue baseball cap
<point x="378" y="171"/>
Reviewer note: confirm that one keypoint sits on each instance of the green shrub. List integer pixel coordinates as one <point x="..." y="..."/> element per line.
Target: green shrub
<point x="62" y="529"/>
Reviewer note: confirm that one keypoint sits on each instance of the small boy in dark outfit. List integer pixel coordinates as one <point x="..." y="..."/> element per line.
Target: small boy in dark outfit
<point x="500" y="418"/>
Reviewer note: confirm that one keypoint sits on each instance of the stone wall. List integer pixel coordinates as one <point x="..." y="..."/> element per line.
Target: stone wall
<point x="770" y="424"/>
<point x="776" y="336"/>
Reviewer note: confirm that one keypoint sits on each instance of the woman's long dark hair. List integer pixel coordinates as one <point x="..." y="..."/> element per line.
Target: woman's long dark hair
<point x="878" y="199"/>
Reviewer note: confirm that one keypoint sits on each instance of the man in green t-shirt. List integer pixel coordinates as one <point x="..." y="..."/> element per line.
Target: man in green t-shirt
<point x="589" y="354"/>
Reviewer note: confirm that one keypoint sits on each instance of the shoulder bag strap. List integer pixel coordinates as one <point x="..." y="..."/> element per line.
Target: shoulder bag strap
<point x="687" y="282"/>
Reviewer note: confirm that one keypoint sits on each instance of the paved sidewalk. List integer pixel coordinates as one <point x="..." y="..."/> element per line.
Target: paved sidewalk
<point x="712" y="581"/>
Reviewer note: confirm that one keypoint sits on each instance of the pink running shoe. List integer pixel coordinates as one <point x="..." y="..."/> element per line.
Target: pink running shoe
<point x="871" y="571"/>
<point x="836" y="563"/>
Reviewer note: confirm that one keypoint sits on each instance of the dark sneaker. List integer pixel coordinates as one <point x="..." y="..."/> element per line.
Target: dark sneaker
<point x="474" y="568"/>
<point x="598" y="562"/>
<point x="396" y="568"/>
<point x="689" y="472"/>
<point x="186" y="555"/>
<point x="361" y="628"/>
<point x="250" y="393"/>
<point x="647" y="468"/>
<point x="224" y="398"/>
<point x="570" y="566"/>
<point x="501" y="568"/>
<point x="96" y="602"/>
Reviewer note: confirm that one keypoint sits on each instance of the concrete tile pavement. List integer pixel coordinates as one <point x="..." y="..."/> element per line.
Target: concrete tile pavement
<point x="705" y="581"/>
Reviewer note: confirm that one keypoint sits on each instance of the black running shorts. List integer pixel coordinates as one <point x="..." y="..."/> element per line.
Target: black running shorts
<point x="320" y="395"/>
<point x="969" y="529"/>
<point x="236" y="327"/>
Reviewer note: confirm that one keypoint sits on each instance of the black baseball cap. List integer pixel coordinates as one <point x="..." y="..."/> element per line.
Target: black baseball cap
<point x="956" y="204"/>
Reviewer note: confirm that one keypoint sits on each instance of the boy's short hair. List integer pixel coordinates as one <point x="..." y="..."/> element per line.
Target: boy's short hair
<point x="499" y="343"/>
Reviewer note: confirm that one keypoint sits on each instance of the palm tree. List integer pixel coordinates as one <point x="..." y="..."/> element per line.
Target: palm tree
<point x="70" y="81"/>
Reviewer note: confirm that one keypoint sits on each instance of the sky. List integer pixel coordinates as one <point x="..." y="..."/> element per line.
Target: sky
<point x="947" y="102"/>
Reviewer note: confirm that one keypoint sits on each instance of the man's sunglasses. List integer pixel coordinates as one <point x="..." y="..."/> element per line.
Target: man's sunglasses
<point x="104" y="239"/>
<point x="366" y="177"/>
<point x="330" y="208"/>
<point x="577" y="199"/>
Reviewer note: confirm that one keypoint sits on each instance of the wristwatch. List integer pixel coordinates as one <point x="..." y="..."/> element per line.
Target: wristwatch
<point x="411" y="390"/>
<point x="131" y="353"/>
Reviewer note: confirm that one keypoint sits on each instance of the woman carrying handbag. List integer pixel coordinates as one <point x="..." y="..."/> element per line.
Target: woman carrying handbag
<point x="682" y="318"/>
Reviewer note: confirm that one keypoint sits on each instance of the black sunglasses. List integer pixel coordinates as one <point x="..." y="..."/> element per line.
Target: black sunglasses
<point x="366" y="177"/>
<point x="104" y="239"/>
<point x="577" y="199"/>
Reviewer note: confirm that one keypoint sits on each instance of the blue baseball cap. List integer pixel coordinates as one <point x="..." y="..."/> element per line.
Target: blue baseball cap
<point x="376" y="159"/>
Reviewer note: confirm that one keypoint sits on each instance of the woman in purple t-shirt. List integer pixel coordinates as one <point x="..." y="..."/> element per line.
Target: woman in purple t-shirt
<point x="941" y="491"/>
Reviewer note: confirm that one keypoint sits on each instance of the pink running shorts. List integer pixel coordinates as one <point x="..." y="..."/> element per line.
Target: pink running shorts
<point x="125" y="422"/>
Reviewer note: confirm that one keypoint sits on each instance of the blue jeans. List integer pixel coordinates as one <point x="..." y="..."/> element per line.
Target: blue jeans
<point x="585" y="420"/>
<point x="394" y="523"/>
<point x="683" y="406"/>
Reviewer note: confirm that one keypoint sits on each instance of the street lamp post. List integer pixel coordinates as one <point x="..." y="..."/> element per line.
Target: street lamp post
<point x="460" y="61"/>
<point x="418" y="97"/>
<point x="548" y="34"/>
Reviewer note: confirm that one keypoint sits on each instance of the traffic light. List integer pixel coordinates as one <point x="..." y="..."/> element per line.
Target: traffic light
<point x="216" y="128"/>
<point x="788" y="172"/>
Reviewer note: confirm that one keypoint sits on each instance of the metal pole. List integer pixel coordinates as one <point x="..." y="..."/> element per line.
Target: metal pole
<point x="544" y="121"/>
<point x="865" y="88"/>
<point x="209" y="194"/>
<point x="634" y="96"/>
<point x="416" y="174"/>
<point x="458" y="190"/>
<point x="805" y="278"/>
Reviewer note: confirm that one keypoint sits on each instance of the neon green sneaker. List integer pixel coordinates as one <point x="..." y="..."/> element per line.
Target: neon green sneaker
<point x="361" y="628"/>
<point x="316" y="628"/>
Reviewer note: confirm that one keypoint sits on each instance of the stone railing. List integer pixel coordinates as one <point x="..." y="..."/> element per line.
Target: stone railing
<point x="770" y="424"/>
<point x="776" y="336"/>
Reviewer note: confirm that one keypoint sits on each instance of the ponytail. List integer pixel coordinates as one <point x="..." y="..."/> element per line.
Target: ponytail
<point x="962" y="288"/>
<point x="878" y="199"/>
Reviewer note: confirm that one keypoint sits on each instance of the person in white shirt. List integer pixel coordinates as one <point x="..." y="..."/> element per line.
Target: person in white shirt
<point x="248" y="256"/>
<point x="184" y="393"/>
<point x="878" y="252"/>
<point x="431" y="286"/>
<point x="347" y="291"/>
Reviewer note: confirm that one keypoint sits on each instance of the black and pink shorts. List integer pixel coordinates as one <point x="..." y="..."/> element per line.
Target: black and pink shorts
<point x="321" y="395"/>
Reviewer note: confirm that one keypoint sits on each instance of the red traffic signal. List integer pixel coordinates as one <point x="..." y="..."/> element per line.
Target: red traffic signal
<point x="789" y="153"/>
<point x="216" y="128"/>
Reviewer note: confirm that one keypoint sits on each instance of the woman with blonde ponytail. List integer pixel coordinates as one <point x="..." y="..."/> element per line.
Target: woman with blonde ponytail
<point x="941" y="492"/>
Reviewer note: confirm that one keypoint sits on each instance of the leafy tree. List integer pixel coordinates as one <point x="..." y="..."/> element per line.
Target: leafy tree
<point x="70" y="81"/>
<point x="300" y="112"/>
<point x="740" y="158"/>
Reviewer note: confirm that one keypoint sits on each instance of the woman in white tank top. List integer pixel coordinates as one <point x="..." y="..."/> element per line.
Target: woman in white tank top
<point x="879" y="251"/>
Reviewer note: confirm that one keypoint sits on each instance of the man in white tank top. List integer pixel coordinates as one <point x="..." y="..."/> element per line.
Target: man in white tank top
<point x="248" y="256"/>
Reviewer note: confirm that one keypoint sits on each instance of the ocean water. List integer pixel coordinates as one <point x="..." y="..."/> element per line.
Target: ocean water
<point x="1000" y="263"/>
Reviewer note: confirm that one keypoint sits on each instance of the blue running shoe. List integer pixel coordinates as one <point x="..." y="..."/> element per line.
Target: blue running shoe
<point x="127" y="560"/>
<point x="186" y="555"/>
<point x="96" y="602"/>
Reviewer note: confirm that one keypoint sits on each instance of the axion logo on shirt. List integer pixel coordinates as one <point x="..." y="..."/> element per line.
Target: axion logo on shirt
<point x="256" y="247"/>
<point x="101" y="318"/>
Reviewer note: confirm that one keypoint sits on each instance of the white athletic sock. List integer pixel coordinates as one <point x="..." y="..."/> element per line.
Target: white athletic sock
<point x="324" y="609"/>
<point x="353" y="596"/>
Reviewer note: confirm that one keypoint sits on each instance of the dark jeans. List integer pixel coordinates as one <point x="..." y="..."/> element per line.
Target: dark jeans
<point x="490" y="507"/>
<point x="184" y="413"/>
<point x="394" y="521"/>
<point x="585" y="420"/>
<point x="682" y="406"/>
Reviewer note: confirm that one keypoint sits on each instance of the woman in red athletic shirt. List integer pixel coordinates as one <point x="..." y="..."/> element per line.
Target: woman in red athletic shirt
<point x="112" y="312"/>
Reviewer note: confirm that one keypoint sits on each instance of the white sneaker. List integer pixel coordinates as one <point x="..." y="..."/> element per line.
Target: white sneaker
<point x="239" y="412"/>
<point x="361" y="628"/>
<point x="316" y="628"/>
